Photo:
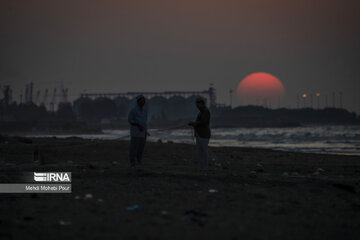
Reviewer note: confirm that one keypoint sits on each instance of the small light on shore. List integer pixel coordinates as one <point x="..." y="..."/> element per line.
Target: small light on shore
<point x="304" y="95"/>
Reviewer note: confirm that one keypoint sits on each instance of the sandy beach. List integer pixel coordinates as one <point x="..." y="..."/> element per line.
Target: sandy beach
<point x="245" y="194"/>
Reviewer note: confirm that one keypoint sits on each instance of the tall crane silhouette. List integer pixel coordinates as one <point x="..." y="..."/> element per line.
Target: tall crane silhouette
<point x="53" y="101"/>
<point x="45" y="98"/>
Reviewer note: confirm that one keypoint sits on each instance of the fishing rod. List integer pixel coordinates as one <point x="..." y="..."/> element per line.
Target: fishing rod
<point x="192" y="133"/>
<point x="171" y="128"/>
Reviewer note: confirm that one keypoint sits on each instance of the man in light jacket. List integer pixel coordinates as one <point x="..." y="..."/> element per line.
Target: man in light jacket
<point x="138" y="130"/>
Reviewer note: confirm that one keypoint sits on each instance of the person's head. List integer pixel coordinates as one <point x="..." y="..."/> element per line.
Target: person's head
<point x="200" y="103"/>
<point x="140" y="99"/>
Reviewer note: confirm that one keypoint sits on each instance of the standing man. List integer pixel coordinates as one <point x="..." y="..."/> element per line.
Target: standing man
<point x="138" y="130"/>
<point x="202" y="131"/>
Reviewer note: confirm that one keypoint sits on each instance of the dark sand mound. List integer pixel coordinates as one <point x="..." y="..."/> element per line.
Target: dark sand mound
<point x="246" y="193"/>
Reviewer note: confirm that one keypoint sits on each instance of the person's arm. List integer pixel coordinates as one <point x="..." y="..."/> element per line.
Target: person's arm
<point x="203" y="120"/>
<point x="132" y="121"/>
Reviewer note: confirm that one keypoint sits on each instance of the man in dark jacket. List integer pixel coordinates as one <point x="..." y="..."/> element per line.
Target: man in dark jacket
<point x="202" y="131"/>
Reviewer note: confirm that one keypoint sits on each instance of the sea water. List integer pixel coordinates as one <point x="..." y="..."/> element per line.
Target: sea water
<point x="319" y="139"/>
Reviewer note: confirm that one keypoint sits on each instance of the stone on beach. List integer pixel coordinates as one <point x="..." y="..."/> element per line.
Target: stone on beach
<point x="252" y="174"/>
<point x="318" y="172"/>
<point x="88" y="196"/>
<point x="259" y="167"/>
<point x="64" y="223"/>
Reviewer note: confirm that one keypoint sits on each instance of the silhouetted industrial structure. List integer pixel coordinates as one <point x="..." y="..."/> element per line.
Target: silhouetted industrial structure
<point x="43" y="97"/>
<point x="209" y="94"/>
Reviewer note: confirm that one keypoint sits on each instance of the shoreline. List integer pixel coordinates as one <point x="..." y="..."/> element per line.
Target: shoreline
<point x="101" y="129"/>
<point x="157" y="140"/>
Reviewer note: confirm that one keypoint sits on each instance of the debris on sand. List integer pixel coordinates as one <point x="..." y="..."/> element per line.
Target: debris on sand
<point x="285" y="174"/>
<point x="64" y="223"/>
<point x="226" y="167"/>
<point x="318" y="172"/>
<point x="132" y="208"/>
<point x="88" y="196"/>
<point x="259" y="167"/>
<point x="253" y="174"/>
<point x="100" y="200"/>
<point x="218" y="165"/>
<point x="213" y="191"/>
<point x="195" y="216"/>
<point x="77" y="197"/>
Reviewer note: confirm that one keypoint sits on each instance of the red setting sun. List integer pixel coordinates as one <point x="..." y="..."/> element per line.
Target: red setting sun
<point x="260" y="86"/>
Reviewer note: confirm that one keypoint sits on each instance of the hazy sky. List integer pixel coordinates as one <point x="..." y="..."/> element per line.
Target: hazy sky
<point x="152" y="45"/>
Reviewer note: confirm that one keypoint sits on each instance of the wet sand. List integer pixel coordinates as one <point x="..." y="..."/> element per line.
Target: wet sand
<point x="245" y="194"/>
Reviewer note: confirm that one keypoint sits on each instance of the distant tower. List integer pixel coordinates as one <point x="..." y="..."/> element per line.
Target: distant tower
<point x="46" y="95"/>
<point x="326" y="100"/>
<point x="64" y="95"/>
<point x="26" y="100"/>
<point x="31" y="92"/>
<point x="53" y="101"/>
<point x="297" y="101"/>
<point x="7" y="95"/>
<point x="37" y="97"/>
<point x="318" y="100"/>
<point x="265" y="102"/>
<point x="212" y="96"/>
<point x="279" y="102"/>
<point x="311" y="100"/>
<point x="230" y="95"/>
<point x="333" y="99"/>
<point x="340" y="100"/>
<point x="304" y="96"/>
<point x="21" y="97"/>
<point x="10" y="95"/>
